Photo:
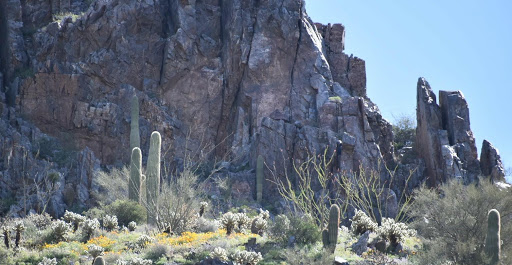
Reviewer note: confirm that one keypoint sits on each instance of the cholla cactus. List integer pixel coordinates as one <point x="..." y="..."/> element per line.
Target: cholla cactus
<point x="110" y="222"/>
<point x="41" y="221"/>
<point x="89" y="226"/>
<point x="281" y="226"/>
<point x="264" y="214"/>
<point x="95" y="250"/>
<point x="228" y="221"/>
<point x="60" y="229"/>
<point x="6" y="232"/>
<point x="202" y="208"/>
<point x="139" y="261"/>
<point x="132" y="226"/>
<point x="47" y="261"/>
<point x="394" y="232"/>
<point x="74" y="219"/>
<point x="258" y="225"/>
<point x="18" y="227"/>
<point x="243" y="223"/>
<point x="246" y="257"/>
<point x="143" y="241"/>
<point x="362" y="223"/>
<point x="220" y="254"/>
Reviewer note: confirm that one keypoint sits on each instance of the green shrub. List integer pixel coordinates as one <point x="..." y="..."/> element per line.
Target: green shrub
<point x="452" y="221"/>
<point x="40" y="221"/>
<point x="113" y="185"/>
<point x="404" y="132"/>
<point x="308" y="255"/>
<point x="157" y="251"/>
<point x="127" y="211"/>
<point x="280" y="227"/>
<point x="304" y="229"/>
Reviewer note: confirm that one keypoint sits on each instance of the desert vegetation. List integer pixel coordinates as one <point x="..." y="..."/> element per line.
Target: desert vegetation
<point x="140" y="219"/>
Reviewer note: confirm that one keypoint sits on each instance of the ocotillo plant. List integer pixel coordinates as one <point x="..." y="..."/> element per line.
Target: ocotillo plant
<point x="135" y="175"/>
<point x="493" y="240"/>
<point x="259" y="178"/>
<point x="153" y="176"/>
<point x="134" y="125"/>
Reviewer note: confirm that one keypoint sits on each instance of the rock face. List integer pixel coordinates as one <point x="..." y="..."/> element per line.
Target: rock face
<point x="239" y="78"/>
<point x="490" y="162"/>
<point x="445" y="142"/>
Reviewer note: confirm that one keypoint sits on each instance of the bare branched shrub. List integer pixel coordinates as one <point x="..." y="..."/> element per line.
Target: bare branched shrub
<point x="178" y="203"/>
<point x="113" y="185"/>
<point x="313" y="187"/>
<point x="453" y="220"/>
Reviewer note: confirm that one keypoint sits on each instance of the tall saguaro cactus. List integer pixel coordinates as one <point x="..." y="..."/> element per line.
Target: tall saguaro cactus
<point x="134" y="125"/>
<point x="259" y="178"/>
<point x="493" y="240"/>
<point x="330" y="235"/>
<point x="153" y="176"/>
<point x="334" y="224"/>
<point x="99" y="261"/>
<point x="135" y="181"/>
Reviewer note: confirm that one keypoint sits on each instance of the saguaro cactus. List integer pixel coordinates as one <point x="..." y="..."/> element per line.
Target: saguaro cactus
<point x="153" y="176"/>
<point x="259" y="178"/>
<point x="134" y="125"/>
<point x="99" y="261"/>
<point x="334" y="224"/>
<point x="135" y="175"/>
<point x="330" y="235"/>
<point x="493" y="240"/>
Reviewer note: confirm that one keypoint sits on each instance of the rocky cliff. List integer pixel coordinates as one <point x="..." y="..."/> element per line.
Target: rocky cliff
<point x="248" y="77"/>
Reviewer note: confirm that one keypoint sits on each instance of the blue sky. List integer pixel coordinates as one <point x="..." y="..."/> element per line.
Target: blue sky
<point x="455" y="45"/>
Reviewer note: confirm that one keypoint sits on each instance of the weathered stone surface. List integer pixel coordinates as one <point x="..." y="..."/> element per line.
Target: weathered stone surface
<point x="428" y="136"/>
<point x="444" y="139"/>
<point x="340" y="261"/>
<point x="490" y="162"/>
<point x="361" y="245"/>
<point x="455" y="113"/>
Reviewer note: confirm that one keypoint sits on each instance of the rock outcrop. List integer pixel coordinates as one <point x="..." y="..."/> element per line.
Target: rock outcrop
<point x="445" y="142"/>
<point x="490" y="162"/>
<point x="240" y="78"/>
